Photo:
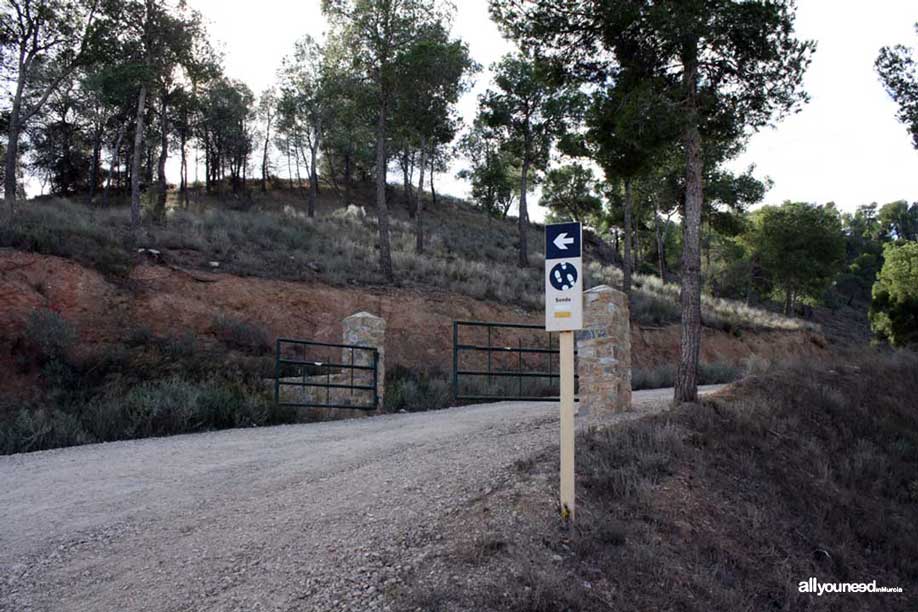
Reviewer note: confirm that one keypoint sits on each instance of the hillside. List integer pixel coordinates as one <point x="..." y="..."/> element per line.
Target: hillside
<point x="269" y="236"/>
<point x="804" y="471"/>
<point x="200" y="299"/>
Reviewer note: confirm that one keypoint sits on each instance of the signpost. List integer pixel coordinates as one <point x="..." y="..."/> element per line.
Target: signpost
<point x="564" y="314"/>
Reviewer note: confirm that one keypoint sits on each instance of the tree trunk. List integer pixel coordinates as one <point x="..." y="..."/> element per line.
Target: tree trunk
<point x="96" y="160"/>
<point x="332" y="172"/>
<point x="148" y="157"/>
<point x="161" y="166"/>
<point x="626" y="260"/>
<point x="524" y="216"/>
<point x="115" y="163"/>
<point x="347" y="179"/>
<point x="419" y="227"/>
<point x="636" y="248"/>
<point x="244" y="165"/>
<point x="183" y="168"/>
<point x="296" y="164"/>
<point x="661" y="255"/>
<point x="690" y="344"/>
<point x="264" y="159"/>
<point x="433" y="192"/>
<point x="406" y="185"/>
<point x="788" y="300"/>
<point x="135" y="162"/>
<point x="206" y="161"/>
<point x="12" y="153"/>
<point x="382" y="212"/>
<point x="313" y="179"/>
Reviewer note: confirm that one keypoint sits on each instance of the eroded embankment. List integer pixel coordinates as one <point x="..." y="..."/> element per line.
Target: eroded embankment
<point x="167" y="300"/>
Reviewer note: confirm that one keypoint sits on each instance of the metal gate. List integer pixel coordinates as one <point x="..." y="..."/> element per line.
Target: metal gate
<point x="325" y="379"/>
<point x="496" y="357"/>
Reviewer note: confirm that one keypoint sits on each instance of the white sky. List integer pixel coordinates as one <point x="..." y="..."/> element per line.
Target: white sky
<point x="844" y="146"/>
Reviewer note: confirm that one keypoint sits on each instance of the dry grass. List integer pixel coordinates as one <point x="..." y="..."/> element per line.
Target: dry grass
<point x="724" y="506"/>
<point x="657" y="302"/>
<point x="270" y="236"/>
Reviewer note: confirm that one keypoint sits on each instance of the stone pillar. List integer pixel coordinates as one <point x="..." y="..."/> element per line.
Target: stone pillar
<point x="604" y="352"/>
<point x="367" y="330"/>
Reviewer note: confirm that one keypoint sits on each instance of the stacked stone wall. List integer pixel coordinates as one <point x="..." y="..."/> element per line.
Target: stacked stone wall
<point x="604" y="352"/>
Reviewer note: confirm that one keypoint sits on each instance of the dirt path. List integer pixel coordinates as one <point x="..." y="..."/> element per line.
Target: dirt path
<point x="303" y="517"/>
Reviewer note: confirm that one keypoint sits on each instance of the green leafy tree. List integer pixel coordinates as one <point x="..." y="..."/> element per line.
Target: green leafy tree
<point x="306" y="107"/>
<point x="435" y="75"/>
<point x="800" y="246"/>
<point x="729" y="66"/>
<point x="898" y="70"/>
<point x="894" y="310"/>
<point x="572" y="192"/>
<point x="228" y="109"/>
<point x="379" y="35"/>
<point x="350" y="134"/>
<point x="160" y="41"/>
<point x="899" y="221"/>
<point x="629" y="127"/>
<point x="863" y="253"/>
<point x="529" y="111"/>
<point x="494" y="171"/>
<point x="42" y="44"/>
<point x="59" y="148"/>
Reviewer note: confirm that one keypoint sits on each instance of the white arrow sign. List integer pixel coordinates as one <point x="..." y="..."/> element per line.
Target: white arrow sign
<point x="562" y="240"/>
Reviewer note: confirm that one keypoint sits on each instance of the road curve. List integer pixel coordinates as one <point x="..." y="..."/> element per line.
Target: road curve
<point x="320" y="516"/>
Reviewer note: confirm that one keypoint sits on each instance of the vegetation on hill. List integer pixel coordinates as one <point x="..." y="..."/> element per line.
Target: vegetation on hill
<point x="803" y="471"/>
<point x="148" y="386"/>
<point x="894" y="312"/>
<point x="467" y="252"/>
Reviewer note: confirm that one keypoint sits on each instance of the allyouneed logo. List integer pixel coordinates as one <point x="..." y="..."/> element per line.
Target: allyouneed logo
<point x="814" y="586"/>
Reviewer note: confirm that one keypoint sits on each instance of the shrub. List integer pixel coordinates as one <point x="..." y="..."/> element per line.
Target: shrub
<point x="140" y="335"/>
<point x="754" y="365"/>
<point x="664" y="376"/>
<point x="49" y="335"/>
<point x="159" y="408"/>
<point x="73" y="231"/>
<point x="177" y="347"/>
<point x="412" y="391"/>
<point x="242" y="335"/>
<point x="649" y="309"/>
<point x="659" y="377"/>
<point x="154" y="408"/>
<point x="718" y="373"/>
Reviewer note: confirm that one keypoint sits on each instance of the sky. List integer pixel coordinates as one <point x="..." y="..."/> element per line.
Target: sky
<point x="845" y="146"/>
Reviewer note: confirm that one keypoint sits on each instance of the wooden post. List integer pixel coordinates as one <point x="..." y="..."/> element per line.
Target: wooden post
<point x="567" y="424"/>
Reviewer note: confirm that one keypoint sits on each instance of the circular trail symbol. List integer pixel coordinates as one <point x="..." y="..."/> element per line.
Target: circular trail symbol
<point x="563" y="276"/>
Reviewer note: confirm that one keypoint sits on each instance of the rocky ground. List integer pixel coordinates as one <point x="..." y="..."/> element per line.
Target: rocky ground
<point x="330" y="516"/>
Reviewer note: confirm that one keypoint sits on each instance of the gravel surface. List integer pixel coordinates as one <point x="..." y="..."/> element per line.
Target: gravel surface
<point x="328" y="516"/>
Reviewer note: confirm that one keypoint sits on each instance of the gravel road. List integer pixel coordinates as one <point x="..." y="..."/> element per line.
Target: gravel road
<point x="325" y="516"/>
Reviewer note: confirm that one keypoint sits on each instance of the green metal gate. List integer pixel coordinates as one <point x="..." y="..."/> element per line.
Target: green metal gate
<point x="349" y="380"/>
<point x="505" y="362"/>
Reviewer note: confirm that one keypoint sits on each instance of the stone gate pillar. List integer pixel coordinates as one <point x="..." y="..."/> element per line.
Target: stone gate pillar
<point x="604" y="352"/>
<point x="367" y="330"/>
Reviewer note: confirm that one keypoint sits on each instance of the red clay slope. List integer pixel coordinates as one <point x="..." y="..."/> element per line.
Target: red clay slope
<point x="168" y="300"/>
